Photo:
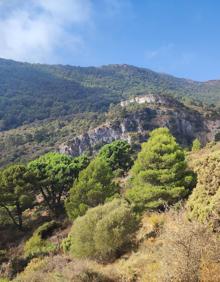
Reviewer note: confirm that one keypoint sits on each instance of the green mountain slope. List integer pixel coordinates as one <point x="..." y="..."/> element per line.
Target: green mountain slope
<point x="31" y="92"/>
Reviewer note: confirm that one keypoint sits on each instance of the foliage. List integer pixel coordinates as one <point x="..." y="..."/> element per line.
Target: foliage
<point x="22" y="144"/>
<point x="188" y="247"/>
<point x="41" y="105"/>
<point x="39" y="92"/>
<point x="159" y="176"/>
<point x="16" y="193"/>
<point x="38" y="245"/>
<point x="118" y="155"/>
<point x="61" y="268"/>
<point x="196" y="146"/>
<point x="54" y="174"/>
<point x="94" y="185"/>
<point x="103" y="231"/>
<point x="46" y="229"/>
<point x="204" y="202"/>
<point x="35" y="246"/>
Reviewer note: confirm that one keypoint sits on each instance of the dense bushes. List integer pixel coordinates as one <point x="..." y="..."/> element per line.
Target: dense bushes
<point x="60" y="268"/>
<point x="94" y="185"/>
<point x="188" y="252"/>
<point x="196" y="145"/>
<point x="38" y="244"/>
<point x="102" y="232"/>
<point x="204" y="202"/>
<point x="50" y="176"/>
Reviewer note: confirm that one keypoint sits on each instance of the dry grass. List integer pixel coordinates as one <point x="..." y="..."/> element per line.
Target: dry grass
<point x="195" y="157"/>
<point x="169" y="248"/>
<point x="188" y="251"/>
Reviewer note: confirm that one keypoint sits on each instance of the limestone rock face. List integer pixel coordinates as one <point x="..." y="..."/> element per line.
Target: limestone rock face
<point x="184" y="123"/>
<point x="149" y="99"/>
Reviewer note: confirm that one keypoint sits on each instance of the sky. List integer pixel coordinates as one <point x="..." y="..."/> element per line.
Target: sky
<point x="179" y="37"/>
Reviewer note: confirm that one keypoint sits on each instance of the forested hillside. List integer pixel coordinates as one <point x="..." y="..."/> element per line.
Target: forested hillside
<point x="87" y="132"/>
<point x="115" y="217"/>
<point x="31" y="92"/>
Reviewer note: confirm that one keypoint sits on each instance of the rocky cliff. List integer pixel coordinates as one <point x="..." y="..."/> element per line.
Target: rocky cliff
<point x="156" y="111"/>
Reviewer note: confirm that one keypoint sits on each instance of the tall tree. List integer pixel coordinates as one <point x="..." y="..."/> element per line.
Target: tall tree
<point x="159" y="176"/>
<point x="16" y="192"/>
<point x="94" y="185"/>
<point x="54" y="174"/>
<point x="118" y="155"/>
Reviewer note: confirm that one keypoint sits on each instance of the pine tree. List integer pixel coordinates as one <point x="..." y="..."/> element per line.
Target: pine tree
<point x="118" y="155"/>
<point x="54" y="174"/>
<point x="159" y="176"/>
<point x="94" y="185"/>
<point x="16" y="192"/>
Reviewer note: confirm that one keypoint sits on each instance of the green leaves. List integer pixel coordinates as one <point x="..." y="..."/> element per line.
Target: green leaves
<point x="118" y="155"/>
<point x="159" y="175"/>
<point x="204" y="202"/>
<point x="196" y="145"/>
<point x="94" y="185"/>
<point x="53" y="175"/>
<point x="16" y="191"/>
<point x="102" y="231"/>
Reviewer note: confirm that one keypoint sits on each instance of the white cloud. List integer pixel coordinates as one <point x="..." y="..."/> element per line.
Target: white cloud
<point x="157" y="53"/>
<point x="35" y="30"/>
<point x="73" y="11"/>
<point x="169" y="57"/>
<point x="116" y="7"/>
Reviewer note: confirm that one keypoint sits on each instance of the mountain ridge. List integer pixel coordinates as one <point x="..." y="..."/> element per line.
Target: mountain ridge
<point x="108" y="66"/>
<point x="31" y="92"/>
<point x="141" y="115"/>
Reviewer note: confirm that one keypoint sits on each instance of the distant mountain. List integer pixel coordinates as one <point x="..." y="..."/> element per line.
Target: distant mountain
<point x="33" y="92"/>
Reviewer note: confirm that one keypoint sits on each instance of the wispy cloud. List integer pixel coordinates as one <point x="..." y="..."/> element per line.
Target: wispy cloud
<point x="117" y="7"/>
<point x="169" y="58"/>
<point x="35" y="29"/>
<point x="158" y="52"/>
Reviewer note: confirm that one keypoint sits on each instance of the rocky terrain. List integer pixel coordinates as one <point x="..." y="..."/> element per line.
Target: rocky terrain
<point x="156" y="111"/>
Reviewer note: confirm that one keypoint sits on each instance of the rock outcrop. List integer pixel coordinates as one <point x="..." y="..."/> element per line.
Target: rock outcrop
<point x="150" y="99"/>
<point x="184" y="123"/>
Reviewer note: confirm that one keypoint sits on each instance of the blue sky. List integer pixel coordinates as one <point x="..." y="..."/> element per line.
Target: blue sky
<point x="180" y="37"/>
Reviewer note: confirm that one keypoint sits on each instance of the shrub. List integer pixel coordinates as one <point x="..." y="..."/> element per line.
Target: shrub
<point x="13" y="266"/>
<point x="159" y="176"/>
<point x="37" y="245"/>
<point x="157" y="221"/>
<point x="89" y="275"/>
<point x="196" y="145"/>
<point x="61" y="268"/>
<point x="47" y="228"/>
<point x="187" y="247"/>
<point x="204" y="202"/>
<point x="103" y="231"/>
<point x="94" y="185"/>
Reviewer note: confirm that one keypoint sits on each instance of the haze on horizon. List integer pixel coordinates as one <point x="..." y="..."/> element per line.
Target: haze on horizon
<point x="175" y="37"/>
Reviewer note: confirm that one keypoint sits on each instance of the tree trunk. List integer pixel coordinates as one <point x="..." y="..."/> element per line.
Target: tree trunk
<point x="10" y="215"/>
<point x="19" y="213"/>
